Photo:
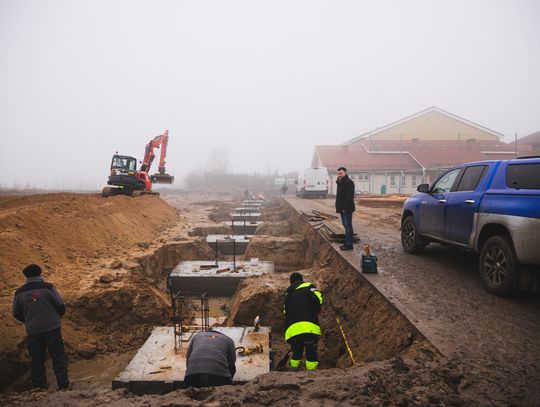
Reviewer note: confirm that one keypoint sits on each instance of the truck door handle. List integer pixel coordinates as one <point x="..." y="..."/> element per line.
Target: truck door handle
<point x="442" y="200"/>
<point x="469" y="201"/>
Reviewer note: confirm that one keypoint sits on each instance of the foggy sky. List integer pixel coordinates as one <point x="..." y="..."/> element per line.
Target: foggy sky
<point x="264" y="80"/>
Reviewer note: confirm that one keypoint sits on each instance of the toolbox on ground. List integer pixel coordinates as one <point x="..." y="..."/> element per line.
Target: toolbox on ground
<point x="368" y="262"/>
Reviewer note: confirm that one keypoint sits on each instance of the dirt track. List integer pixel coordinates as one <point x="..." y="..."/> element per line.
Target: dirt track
<point x="477" y="369"/>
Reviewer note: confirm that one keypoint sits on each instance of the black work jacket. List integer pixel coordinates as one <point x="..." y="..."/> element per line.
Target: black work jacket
<point x="301" y="304"/>
<point x="345" y="195"/>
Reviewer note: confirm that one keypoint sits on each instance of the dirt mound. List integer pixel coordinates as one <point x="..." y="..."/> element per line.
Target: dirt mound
<point x="155" y="265"/>
<point x="222" y="211"/>
<point x="287" y="253"/>
<point x="64" y="228"/>
<point x="261" y="296"/>
<point x="210" y="230"/>
<point x="382" y="201"/>
<point x="122" y="312"/>
<point x="276" y="229"/>
<point x="75" y="238"/>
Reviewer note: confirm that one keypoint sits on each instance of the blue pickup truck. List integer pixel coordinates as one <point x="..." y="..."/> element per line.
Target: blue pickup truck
<point x="488" y="207"/>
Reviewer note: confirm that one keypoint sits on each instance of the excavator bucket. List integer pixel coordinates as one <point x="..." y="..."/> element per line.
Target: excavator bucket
<point x="161" y="178"/>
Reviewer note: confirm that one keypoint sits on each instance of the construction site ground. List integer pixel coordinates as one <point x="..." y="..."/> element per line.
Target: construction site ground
<point x="422" y="331"/>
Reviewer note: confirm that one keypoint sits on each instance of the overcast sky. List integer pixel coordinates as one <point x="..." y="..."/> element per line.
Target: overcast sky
<point x="80" y="80"/>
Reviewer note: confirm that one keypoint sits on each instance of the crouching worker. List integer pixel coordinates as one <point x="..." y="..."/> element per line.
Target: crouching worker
<point x="39" y="306"/>
<point x="210" y="360"/>
<point x="301" y="305"/>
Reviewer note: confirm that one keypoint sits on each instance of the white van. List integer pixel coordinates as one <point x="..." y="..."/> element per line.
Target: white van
<point x="313" y="183"/>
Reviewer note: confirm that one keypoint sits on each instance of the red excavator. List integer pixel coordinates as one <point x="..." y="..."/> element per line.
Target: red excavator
<point x="125" y="179"/>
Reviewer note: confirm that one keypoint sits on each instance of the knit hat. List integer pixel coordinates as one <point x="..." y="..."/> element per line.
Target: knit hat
<point x="296" y="277"/>
<point x="33" y="270"/>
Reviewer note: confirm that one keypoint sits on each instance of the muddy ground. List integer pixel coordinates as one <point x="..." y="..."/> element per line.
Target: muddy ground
<point x="398" y="360"/>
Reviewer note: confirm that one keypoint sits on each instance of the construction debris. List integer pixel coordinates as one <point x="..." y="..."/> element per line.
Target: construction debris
<point x="331" y="235"/>
<point x="317" y="216"/>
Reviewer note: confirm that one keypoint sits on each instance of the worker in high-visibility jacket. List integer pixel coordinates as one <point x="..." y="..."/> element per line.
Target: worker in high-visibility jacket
<point x="301" y="304"/>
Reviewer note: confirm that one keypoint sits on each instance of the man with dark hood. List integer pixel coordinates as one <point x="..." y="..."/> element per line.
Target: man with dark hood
<point x="39" y="306"/>
<point x="345" y="205"/>
<point x="301" y="305"/>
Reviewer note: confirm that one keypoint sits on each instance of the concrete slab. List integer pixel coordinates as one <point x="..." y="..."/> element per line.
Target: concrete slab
<point x="247" y="209"/>
<point x="253" y="201"/>
<point x="229" y="244"/>
<point x="203" y="276"/>
<point x="247" y="227"/>
<point x="252" y="216"/>
<point x="156" y="369"/>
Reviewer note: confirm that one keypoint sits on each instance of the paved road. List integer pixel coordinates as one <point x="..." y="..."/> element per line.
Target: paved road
<point x="440" y="292"/>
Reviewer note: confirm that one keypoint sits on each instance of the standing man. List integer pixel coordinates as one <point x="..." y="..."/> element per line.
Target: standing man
<point x="301" y="305"/>
<point x="210" y="360"/>
<point x="345" y="205"/>
<point x="40" y="307"/>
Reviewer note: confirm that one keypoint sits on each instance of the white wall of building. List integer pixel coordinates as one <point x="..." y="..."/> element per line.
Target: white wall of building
<point x="372" y="183"/>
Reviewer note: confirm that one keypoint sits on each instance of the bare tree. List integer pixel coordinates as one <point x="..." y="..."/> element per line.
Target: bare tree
<point x="218" y="161"/>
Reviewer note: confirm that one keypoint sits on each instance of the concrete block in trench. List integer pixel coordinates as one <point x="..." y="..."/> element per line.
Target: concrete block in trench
<point x="219" y="281"/>
<point x="251" y="205"/>
<point x="251" y="216"/>
<point x="248" y="209"/>
<point x="157" y="369"/>
<point x="244" y="227"/>
<point x="228" y="244"/>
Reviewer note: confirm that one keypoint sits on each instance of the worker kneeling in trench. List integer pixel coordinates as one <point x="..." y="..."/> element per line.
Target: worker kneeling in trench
<point x="210" y="360"/>
<point x="301" y="305"/>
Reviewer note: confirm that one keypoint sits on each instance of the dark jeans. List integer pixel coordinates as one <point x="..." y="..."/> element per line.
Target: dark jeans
<point x="346" y="220"/>
<point x="206" y="380"/>
<point x="304" y="341"/>
<point x="37" y="345"/>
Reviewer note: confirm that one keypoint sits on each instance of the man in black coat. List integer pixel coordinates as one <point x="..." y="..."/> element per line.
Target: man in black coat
<point x="345" y="205"/>
<point x="40" y="307"/>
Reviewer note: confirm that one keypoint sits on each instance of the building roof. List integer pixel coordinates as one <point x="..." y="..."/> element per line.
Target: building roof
<point x="387" y="155"/>
<point x="357" y="158"/>
<point x="531" y="139"/>
<point x="427" y="111"/>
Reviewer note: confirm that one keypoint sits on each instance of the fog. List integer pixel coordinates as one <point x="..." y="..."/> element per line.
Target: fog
<point x="260" y="82"/>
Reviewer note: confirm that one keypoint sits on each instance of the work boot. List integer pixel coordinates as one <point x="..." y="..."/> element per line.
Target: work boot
<point x="64" y="387"/>
<point x="295" y="364"/>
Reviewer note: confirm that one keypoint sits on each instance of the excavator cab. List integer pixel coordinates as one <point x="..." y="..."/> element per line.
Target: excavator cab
<point x="124" y="164"/>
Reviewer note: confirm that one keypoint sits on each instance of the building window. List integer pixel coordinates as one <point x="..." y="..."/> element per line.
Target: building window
<point x="392" y="180"/>
<point x="361" y="178"/>
<point x="403" y="178"/>
<point x="414" y="181"/>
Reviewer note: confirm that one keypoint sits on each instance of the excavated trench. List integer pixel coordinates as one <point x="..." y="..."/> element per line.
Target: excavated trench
<point x="374" y="329"/>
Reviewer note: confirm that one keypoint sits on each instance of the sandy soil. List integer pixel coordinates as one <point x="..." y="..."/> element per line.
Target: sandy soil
<point x="478" y="351"/>
<point x="86" y="245"/>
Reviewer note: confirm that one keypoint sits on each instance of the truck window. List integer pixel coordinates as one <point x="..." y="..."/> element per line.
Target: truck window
<point x="471" y="177"/>
<point x="444" y="184"/>
<point x="523" y="176"/>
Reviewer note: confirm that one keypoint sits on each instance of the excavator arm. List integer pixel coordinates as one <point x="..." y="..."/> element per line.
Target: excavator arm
<point x="161" y="141"/>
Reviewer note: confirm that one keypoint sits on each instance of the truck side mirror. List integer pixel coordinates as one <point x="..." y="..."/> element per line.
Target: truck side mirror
<point x="423" y="188"/>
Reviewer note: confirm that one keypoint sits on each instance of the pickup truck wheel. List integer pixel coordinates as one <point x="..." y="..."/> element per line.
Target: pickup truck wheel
<point x="498" y="266"/>
<point x="411" y="242"/>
